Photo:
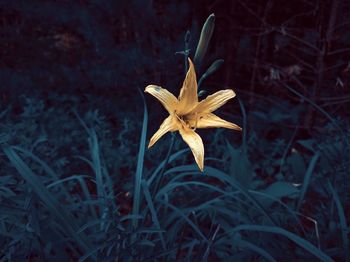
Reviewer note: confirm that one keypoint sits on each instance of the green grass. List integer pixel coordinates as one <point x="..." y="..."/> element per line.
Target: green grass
<point x="90" y="215"/>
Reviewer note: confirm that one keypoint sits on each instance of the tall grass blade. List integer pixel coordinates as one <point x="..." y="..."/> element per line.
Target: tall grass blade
<point x="173" y="185"/>
<point x="153" y="211"/>
<point x="139" y="168"/>
<point x="307" y="178"/>
<point x="96" y="162"/>
<point x="342" y="221"/>
<point x="75" y="112"/>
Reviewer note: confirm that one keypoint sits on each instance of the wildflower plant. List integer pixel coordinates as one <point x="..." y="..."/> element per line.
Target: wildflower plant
<point x="75" y="187"/>
<point x="187" y="114"/>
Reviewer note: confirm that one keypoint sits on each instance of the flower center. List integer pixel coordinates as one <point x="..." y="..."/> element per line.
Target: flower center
<point x="189" y="120"/>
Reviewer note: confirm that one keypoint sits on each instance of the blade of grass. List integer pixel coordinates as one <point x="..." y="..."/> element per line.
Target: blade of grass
<point x="96" y="162"/>
<point x="75" y="112"/>
<point x="90" y="224"/>
<point x="307" y="178"/>
<point x="290" y="142"/>
<point x="108" y="182"/>
<point x="172" y="185"/>
<point x="153" y="211"/>
<point x="166" y="161"/>
<point x="210" y="244"/>
<point x="95" y="156"/>
<point x="342" y="221"/>
<point x="139" y="168"/>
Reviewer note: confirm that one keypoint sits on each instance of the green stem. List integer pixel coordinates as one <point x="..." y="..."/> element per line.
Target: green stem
<point x="160" y="177"/>
<point x="186" y="62"/>
<point x="186" y="51"/>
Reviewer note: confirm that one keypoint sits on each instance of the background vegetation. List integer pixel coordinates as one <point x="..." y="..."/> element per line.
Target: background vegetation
<point x="76" y="182"/>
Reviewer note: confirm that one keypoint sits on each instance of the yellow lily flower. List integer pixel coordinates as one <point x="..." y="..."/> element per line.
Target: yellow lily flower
<point x="186" y="113"/>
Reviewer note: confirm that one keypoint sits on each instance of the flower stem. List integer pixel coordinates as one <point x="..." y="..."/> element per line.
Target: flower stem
<point x="187" y="50"/>
<point x="160" y="177"/>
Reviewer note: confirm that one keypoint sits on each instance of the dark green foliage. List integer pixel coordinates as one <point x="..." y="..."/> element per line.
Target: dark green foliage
<point x="215" y="215"/>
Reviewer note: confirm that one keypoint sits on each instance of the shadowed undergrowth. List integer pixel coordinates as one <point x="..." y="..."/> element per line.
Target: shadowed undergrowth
<point x="289" y="212"/>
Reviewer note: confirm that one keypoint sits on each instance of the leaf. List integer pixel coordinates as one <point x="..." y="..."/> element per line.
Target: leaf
<point x="139" y="168"/>
<point x="308" y="144"/>
<point x="153" y="211"/>
<point x="240" y="167"/>
<point x="278" y="190"/>
<point x="96" y="163"/>
<point x="281" y="189"/>
<point x="307" y="178"/>
<point x="343" y="223"/>
<point x="296" y="161"/>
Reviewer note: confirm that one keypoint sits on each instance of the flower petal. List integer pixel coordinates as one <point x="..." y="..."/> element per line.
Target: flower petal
<point x="168" y="100"/>
<point x="168" y="125"/>
<point x="188" y="97"/>
<point x="194" y="141"/>
<point x="211" y="120"/>
<point x="214" y="101"/>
